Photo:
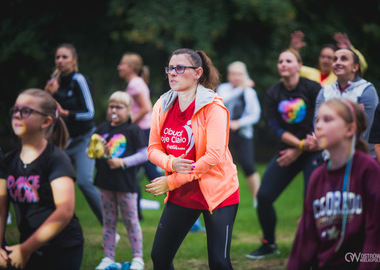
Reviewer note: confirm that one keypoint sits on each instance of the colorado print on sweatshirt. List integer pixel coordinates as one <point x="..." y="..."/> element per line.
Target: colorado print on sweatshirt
<point x="330" y="208"/>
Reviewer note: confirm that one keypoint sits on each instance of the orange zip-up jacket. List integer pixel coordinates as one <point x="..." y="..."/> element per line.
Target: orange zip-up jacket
<point x="214" y="167"/>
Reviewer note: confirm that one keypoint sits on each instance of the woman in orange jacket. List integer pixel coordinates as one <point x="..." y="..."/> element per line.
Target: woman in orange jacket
<point x="189" y="140"/>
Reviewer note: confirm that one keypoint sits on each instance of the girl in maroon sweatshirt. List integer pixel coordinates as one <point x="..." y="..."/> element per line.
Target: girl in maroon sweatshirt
<point x="339" y="228"/>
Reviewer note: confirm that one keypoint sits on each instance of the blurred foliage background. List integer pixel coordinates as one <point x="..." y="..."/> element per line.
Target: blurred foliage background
<point x="252" y="31"/>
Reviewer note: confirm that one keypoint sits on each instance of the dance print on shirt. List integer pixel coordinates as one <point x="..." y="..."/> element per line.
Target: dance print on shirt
<point x="24" y="188"/>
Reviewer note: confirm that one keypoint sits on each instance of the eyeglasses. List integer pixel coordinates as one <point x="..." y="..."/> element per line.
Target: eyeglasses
<point x="326" y="57"/>
<point x="111" y="107"/>
<point x="178" y="69"/>
<point x="24" y="111"/>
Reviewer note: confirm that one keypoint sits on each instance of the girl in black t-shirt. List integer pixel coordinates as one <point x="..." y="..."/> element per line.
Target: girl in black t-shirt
<point x="38" y="179"/>
<point x="116" y="170"/>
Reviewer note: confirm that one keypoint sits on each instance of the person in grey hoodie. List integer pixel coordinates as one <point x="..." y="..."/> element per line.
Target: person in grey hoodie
<point x="243" y="104"/>
<point x="352" y="86"/>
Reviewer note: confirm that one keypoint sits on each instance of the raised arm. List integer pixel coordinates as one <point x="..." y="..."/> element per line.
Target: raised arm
<point x="296" y="40"/>
<point x="343" y="42"/>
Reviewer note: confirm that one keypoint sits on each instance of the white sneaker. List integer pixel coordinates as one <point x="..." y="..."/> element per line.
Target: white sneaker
<point x="137" y="264"/>
<point x="254" y="203"/>
<point x="9" y="219"/>
<point x="117" y="238"/>
<point x="106" y="261"/>
<point x="149" y="204"/>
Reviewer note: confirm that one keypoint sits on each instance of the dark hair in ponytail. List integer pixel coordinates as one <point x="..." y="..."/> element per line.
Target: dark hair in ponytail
<point x="210" y="75"/>
<point x="57" y="132"/>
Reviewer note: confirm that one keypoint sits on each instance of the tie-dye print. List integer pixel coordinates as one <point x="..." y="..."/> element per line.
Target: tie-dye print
<point x="118" y="144"/>
<point x="292" y="111"/>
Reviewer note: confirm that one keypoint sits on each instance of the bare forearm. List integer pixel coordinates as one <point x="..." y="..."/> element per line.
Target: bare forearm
<point x="3" y="224"/>
<point x="139" y="116"/>
<point x="145" y="107"/>
<point x="4" y="208"/>
<point x="290" y="139"/>
<point x="52" y="226"/>
<point x="377" y="152"/>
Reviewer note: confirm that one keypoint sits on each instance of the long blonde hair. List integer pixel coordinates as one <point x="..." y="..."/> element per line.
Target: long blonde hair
<point x="56" y="73"/>
<point x="135" y="60"/>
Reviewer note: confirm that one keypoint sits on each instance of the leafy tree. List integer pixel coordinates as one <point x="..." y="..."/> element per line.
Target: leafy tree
<point x="253" y="31"/>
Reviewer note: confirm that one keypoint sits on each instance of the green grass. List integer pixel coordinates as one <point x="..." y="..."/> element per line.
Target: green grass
<point x="193" y="251"/>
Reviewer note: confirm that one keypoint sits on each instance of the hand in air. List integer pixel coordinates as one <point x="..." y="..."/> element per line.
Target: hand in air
<point x="52" y="86"/>
<point x="296" y="40"/>
<point x="342" y="41"/>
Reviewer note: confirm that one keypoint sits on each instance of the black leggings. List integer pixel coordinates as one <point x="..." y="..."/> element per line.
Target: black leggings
<point x="242" y="151"/>
<point x="176" y="222"/>
<point x="275" y="180"/>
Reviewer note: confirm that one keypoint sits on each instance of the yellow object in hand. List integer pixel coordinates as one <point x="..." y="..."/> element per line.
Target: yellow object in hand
<point x="95" y="147"/>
